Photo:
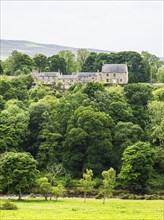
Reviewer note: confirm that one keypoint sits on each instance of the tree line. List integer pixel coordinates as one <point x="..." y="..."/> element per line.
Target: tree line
<point x="144" y="67"/>
<point x="86" y="127"/>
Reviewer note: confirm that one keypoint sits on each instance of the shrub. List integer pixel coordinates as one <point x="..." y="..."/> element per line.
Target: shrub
<point x="8" y="206"/>
<point x="99" y="196"/>
<point x="125" y="196"/>
<point x="139" y="197"/>
<point x="32" y="195"/>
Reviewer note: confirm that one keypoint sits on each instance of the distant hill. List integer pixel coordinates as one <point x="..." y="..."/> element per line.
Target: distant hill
<point x="31" y="48"/>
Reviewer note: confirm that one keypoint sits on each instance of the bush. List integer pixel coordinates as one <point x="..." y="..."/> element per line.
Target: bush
<point x="8" y="206"/>
<point x="99" y="196"/>
<point x="139" y="197"/>
<point x="125" y="196"/>
<point x="32" y="195"/>
<point x="98" y="182"/>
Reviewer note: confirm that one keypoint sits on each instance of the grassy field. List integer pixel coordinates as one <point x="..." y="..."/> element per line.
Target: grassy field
<point x="114" y="209"/>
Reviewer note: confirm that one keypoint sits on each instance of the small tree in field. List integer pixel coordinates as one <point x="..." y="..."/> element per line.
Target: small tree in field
<point x="58" y="191"/>
<point x="43" y="186"/>
<point x="87" y="184"/>
<point x="108" y="183"/>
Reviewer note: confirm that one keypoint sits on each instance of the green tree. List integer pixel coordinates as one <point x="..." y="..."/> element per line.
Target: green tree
<point x="158" y="94"/>
<point x="93" y="87"/>
<point x="82" y="55"/>
<point x="38" y="92"/>
<point x="58" y="191"/>
<point x="17" y="62"/>
<point x="40" y="61"/>
<point x="109" y="178"/>
<point x="87" y="184"/>
<point x="57" y="63"/>
<point x="160" y="75"/>
<point x="153" y="62"/>
<point x="13" y="126"/>
<point x="2" y="102"/>
<point x="43" y="186"/>
<point x="101" y="58"/>
<point x="89" y="65"/>
<point x="156" y="126"/>
<point x="88" y="139"/>
<point x="1" y="67"/>
<point x="6" y="89"/>
<point x="37" y="117"/>
<point x="18" y="172"/>
<point x="138" y="161"/>
<point x="19" y="88"/>
<point x="125" y="134"/>
<point x="69" y="58"/>
<point x="138" y="96"/>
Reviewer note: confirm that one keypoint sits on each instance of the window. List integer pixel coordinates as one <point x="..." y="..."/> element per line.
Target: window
<point x="114" y="75"/>
<point x="107" y="74"/>
<point x="107" y="80"/>
<point x="120" y="80"/>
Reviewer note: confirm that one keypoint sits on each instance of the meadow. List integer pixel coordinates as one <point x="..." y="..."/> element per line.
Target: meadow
<point x="76" y="209"/>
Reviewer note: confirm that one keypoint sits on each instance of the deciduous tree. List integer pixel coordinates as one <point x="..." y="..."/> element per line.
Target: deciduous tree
<point x="138" y="161"/>
<point x="109" y="178"/>
<point x="18" y="172"/>
<point x="87" y="184"/>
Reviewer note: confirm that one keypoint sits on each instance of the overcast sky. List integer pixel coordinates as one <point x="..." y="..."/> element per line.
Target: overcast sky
<point x="109" y="25"/>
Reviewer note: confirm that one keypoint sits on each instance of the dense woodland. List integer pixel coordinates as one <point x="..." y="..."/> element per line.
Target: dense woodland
<point x="90" y="126"/>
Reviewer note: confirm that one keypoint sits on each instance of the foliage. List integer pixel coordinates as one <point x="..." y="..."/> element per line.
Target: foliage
<point x="40" y="61"/>
<point x="69" y="58"/>
<point x="13" y="126"/>
<point x="109" y="178"/>
<point x="1" y="67"/>
<point x="153" y="64"/>
<point x="18" y="63"/>
<point x="87" y="126"/>
<point x="138" y="161"/>
<point x="160" y="75"/>
<point x="8" y="206"/>
<point x="82" y="55"/>
<point x="93" y="87"/>
<point x="156" y="126"/>
<point x="125" y="134"/>
<point x="158" y="94"/>
<point x="88" y="140"/>
<point x="138" y="96"/>
<point x="18" y="172"/>
<point x="57" y="63"/>
<point x="43" y="186"/>
<point x="87" y="184"/>
<point x="58" y="191"/>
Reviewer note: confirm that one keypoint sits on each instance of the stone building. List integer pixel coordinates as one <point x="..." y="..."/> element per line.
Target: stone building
<point x="114" y="73"/>
<point x="111" y="73"/>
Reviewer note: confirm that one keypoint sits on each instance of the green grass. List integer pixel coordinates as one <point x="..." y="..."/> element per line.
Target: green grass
<point x="71" y="209"/>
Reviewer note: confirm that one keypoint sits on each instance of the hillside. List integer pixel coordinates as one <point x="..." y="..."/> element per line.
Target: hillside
<point x="32" y="48"/>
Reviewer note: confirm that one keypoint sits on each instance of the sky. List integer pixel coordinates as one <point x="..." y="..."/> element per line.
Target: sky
<point x="108" y="25"/>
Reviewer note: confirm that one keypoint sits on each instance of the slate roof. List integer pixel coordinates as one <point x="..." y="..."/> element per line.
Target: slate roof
<point x="86" y="74"/>
<point x="68" y="77"/>
<point x="114" y="68"/>
<point x="48" y="74"/>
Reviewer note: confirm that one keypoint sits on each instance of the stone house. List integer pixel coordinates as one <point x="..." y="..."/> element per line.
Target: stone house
<point x="111" y="73"/>
<point x="114" y="73"/>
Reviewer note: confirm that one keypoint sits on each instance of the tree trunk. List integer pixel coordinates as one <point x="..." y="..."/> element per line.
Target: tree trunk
<point x="84" y="197"/>
<point x="20" y="194"/>
<point x="46" y="197"/>
<point x="104" y="199"/>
